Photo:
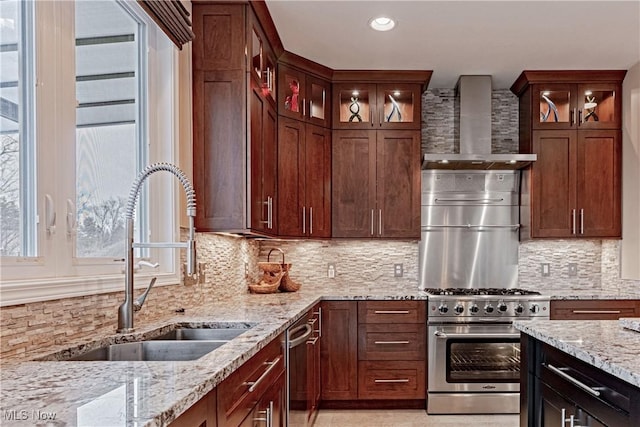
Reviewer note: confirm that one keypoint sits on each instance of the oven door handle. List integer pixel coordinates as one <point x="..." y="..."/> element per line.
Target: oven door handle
<point x="440" y="334"/>
<point x="302" y="338"/>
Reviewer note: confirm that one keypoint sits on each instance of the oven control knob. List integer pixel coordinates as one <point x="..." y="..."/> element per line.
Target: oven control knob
<point x="474" y="308"/>
<point x="443" y="308"/>
<point x="502" y="307"/>
<point x="488" y="308"/>
<point x="519" y="309"/>
<point x="534" y="308"/>
<point x="458" y="308"/>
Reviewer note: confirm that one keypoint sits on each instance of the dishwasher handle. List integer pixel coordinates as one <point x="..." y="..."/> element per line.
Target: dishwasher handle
<point x="294" y="342"/>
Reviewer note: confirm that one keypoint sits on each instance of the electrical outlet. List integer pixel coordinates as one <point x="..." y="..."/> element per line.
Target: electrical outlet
<point x="331" y="270"/>
<point x="398" y="270"/>
<point x="573" y="269"/>
<point x="545" y="269"/>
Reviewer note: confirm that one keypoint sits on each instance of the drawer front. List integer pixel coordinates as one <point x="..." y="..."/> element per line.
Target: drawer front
<point x="391" y="380"/>
<point x="594" y="309"/>
<point x="391" y="342"/>
<point x="391" y="311"/>
<point x="238" y="394"/>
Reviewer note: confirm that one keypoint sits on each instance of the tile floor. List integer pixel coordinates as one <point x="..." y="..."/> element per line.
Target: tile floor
<point x="408" y="418"/>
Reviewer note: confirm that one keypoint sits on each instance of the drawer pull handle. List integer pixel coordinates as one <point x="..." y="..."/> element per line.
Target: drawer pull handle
<point x="391" y="312"/>
<point x="253" y="384"/>
<point x="313" y="340"/>
<point x="399" y="380"/>
<point x="596" y="311"/>
<point x="391" y="342"/>
<point x="572" y="380"/>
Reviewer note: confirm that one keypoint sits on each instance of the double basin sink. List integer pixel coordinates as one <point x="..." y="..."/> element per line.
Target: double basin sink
<point x="180" y="344"/>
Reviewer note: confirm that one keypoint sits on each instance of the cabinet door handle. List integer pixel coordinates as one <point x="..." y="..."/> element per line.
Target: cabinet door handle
<point x="391" y="342"/>
<point x="270" y="213"/>
<point x="372" y="222"/>
<point x="310" y="220"/>
<point x="399" y="380"/>
<point x="304" y="220"/>
<point x="572" y="115"/>
<point x="271" y="365"/>
<point x="319" y="314"/>
<point x="581" y="221"/>
<point x="304" y="107"/>
<point x="391" y="312"/>
<point x="371" y="116"/>
<point x="595" y="311"/>
<point x="573" y="221"/>
<point x="380" y="222"/>
<point x="565" y="420"/>
<point x="580" y="117"/>
<point x="572" y="380"/>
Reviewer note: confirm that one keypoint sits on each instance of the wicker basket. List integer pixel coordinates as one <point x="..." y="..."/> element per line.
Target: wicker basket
<point x="269" y="283"/>
<point x="275" y="268"/>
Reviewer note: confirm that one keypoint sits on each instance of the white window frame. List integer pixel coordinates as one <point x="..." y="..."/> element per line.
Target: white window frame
<point x="55" y="273"/>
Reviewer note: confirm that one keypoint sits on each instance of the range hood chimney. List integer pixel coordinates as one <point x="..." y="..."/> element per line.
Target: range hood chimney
<point x="472" y="132"/>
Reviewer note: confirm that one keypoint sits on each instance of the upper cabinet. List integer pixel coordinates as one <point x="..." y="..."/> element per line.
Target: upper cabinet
<point x="235" y="121"/>
<point x="376" y="154"/>
<point x="561" y="100"/>
<point x="572" y="121"/>
<point x="363" y="105"/>
<point x="303" y="96"/>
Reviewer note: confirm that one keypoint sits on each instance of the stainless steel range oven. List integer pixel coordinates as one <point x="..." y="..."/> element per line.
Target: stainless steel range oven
<point x="473" y="349"/>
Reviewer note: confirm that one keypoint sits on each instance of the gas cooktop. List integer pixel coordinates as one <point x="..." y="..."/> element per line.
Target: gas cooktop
<point x="479" y="291"/>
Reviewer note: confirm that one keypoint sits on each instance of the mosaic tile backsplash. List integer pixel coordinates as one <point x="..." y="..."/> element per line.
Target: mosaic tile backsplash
<point x="231" y="262"/>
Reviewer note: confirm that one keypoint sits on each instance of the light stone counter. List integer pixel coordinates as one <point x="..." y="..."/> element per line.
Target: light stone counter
<point x="604" y="344"/>
<point x="114" y="394"/>
<point x="632" y="323"/>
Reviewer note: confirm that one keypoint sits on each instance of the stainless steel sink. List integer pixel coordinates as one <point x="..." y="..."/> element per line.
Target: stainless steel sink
<point x="179" y="344"/>
<point x="151" y="351"/>
<point x="202" y="334"/>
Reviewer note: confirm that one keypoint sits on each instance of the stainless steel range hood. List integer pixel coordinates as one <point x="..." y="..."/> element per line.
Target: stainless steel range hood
<point x="472" y="132"/>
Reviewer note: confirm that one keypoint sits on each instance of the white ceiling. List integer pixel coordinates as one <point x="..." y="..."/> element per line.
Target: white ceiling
<point x="500" y="38"/>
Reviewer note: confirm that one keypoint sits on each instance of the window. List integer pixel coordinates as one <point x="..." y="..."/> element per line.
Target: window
<point x="77" y="82"/>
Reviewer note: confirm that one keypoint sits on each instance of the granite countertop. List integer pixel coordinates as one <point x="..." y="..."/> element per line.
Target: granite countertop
<point x="79" y="393"/>
<point x="604" y="344"/>
<point x="632" y="323"/>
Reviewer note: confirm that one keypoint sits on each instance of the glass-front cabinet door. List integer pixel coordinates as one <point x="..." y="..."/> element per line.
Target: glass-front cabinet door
<point x="573" y="106"/>
<point x="398" y="106"/>
<point x="376" y="106"/>
<point x="599" y="105"/>
<point x="554" y="106"/>
<point x="354" y="106"/>
<point x="291" y="92"/>
<point x="318" y="99"/>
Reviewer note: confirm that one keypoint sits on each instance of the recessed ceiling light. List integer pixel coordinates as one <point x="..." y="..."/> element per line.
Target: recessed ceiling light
<point x="382" y="23"/>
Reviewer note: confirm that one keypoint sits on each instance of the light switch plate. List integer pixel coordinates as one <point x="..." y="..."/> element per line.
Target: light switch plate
<point x="398" y="270"/>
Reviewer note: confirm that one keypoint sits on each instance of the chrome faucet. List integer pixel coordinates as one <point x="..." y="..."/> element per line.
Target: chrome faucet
<point x="125" y="312"/>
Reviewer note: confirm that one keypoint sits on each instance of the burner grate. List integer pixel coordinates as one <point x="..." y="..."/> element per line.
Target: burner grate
<point x="479" y="291"/>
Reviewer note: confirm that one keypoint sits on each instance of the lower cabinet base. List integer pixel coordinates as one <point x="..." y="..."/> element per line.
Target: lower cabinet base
<point x="473" y="403"/>
<point x="374" y="404"/>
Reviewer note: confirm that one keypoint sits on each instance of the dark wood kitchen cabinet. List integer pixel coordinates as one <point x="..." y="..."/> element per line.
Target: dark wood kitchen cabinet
<point x="302" y="95"/>
<point x="339" y="351"/>
<point x="376" y="153"/>
<point x="363" y="104"/>
<point x="304" y="179"/>
<point x="376" y="184"/>
<point x="252" y="387"/>
<point x="593" y="309"/>
<point x="556" y="388"/>
<point x="572" y="121"/>
<point x="373" y="354"/>
<point x="235" y="121"/>
<point x="392" y="350"/>
<point x="201" y="414"/>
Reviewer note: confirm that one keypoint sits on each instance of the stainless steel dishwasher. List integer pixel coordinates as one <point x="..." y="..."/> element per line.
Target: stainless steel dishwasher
<point x="302" y="360"/>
